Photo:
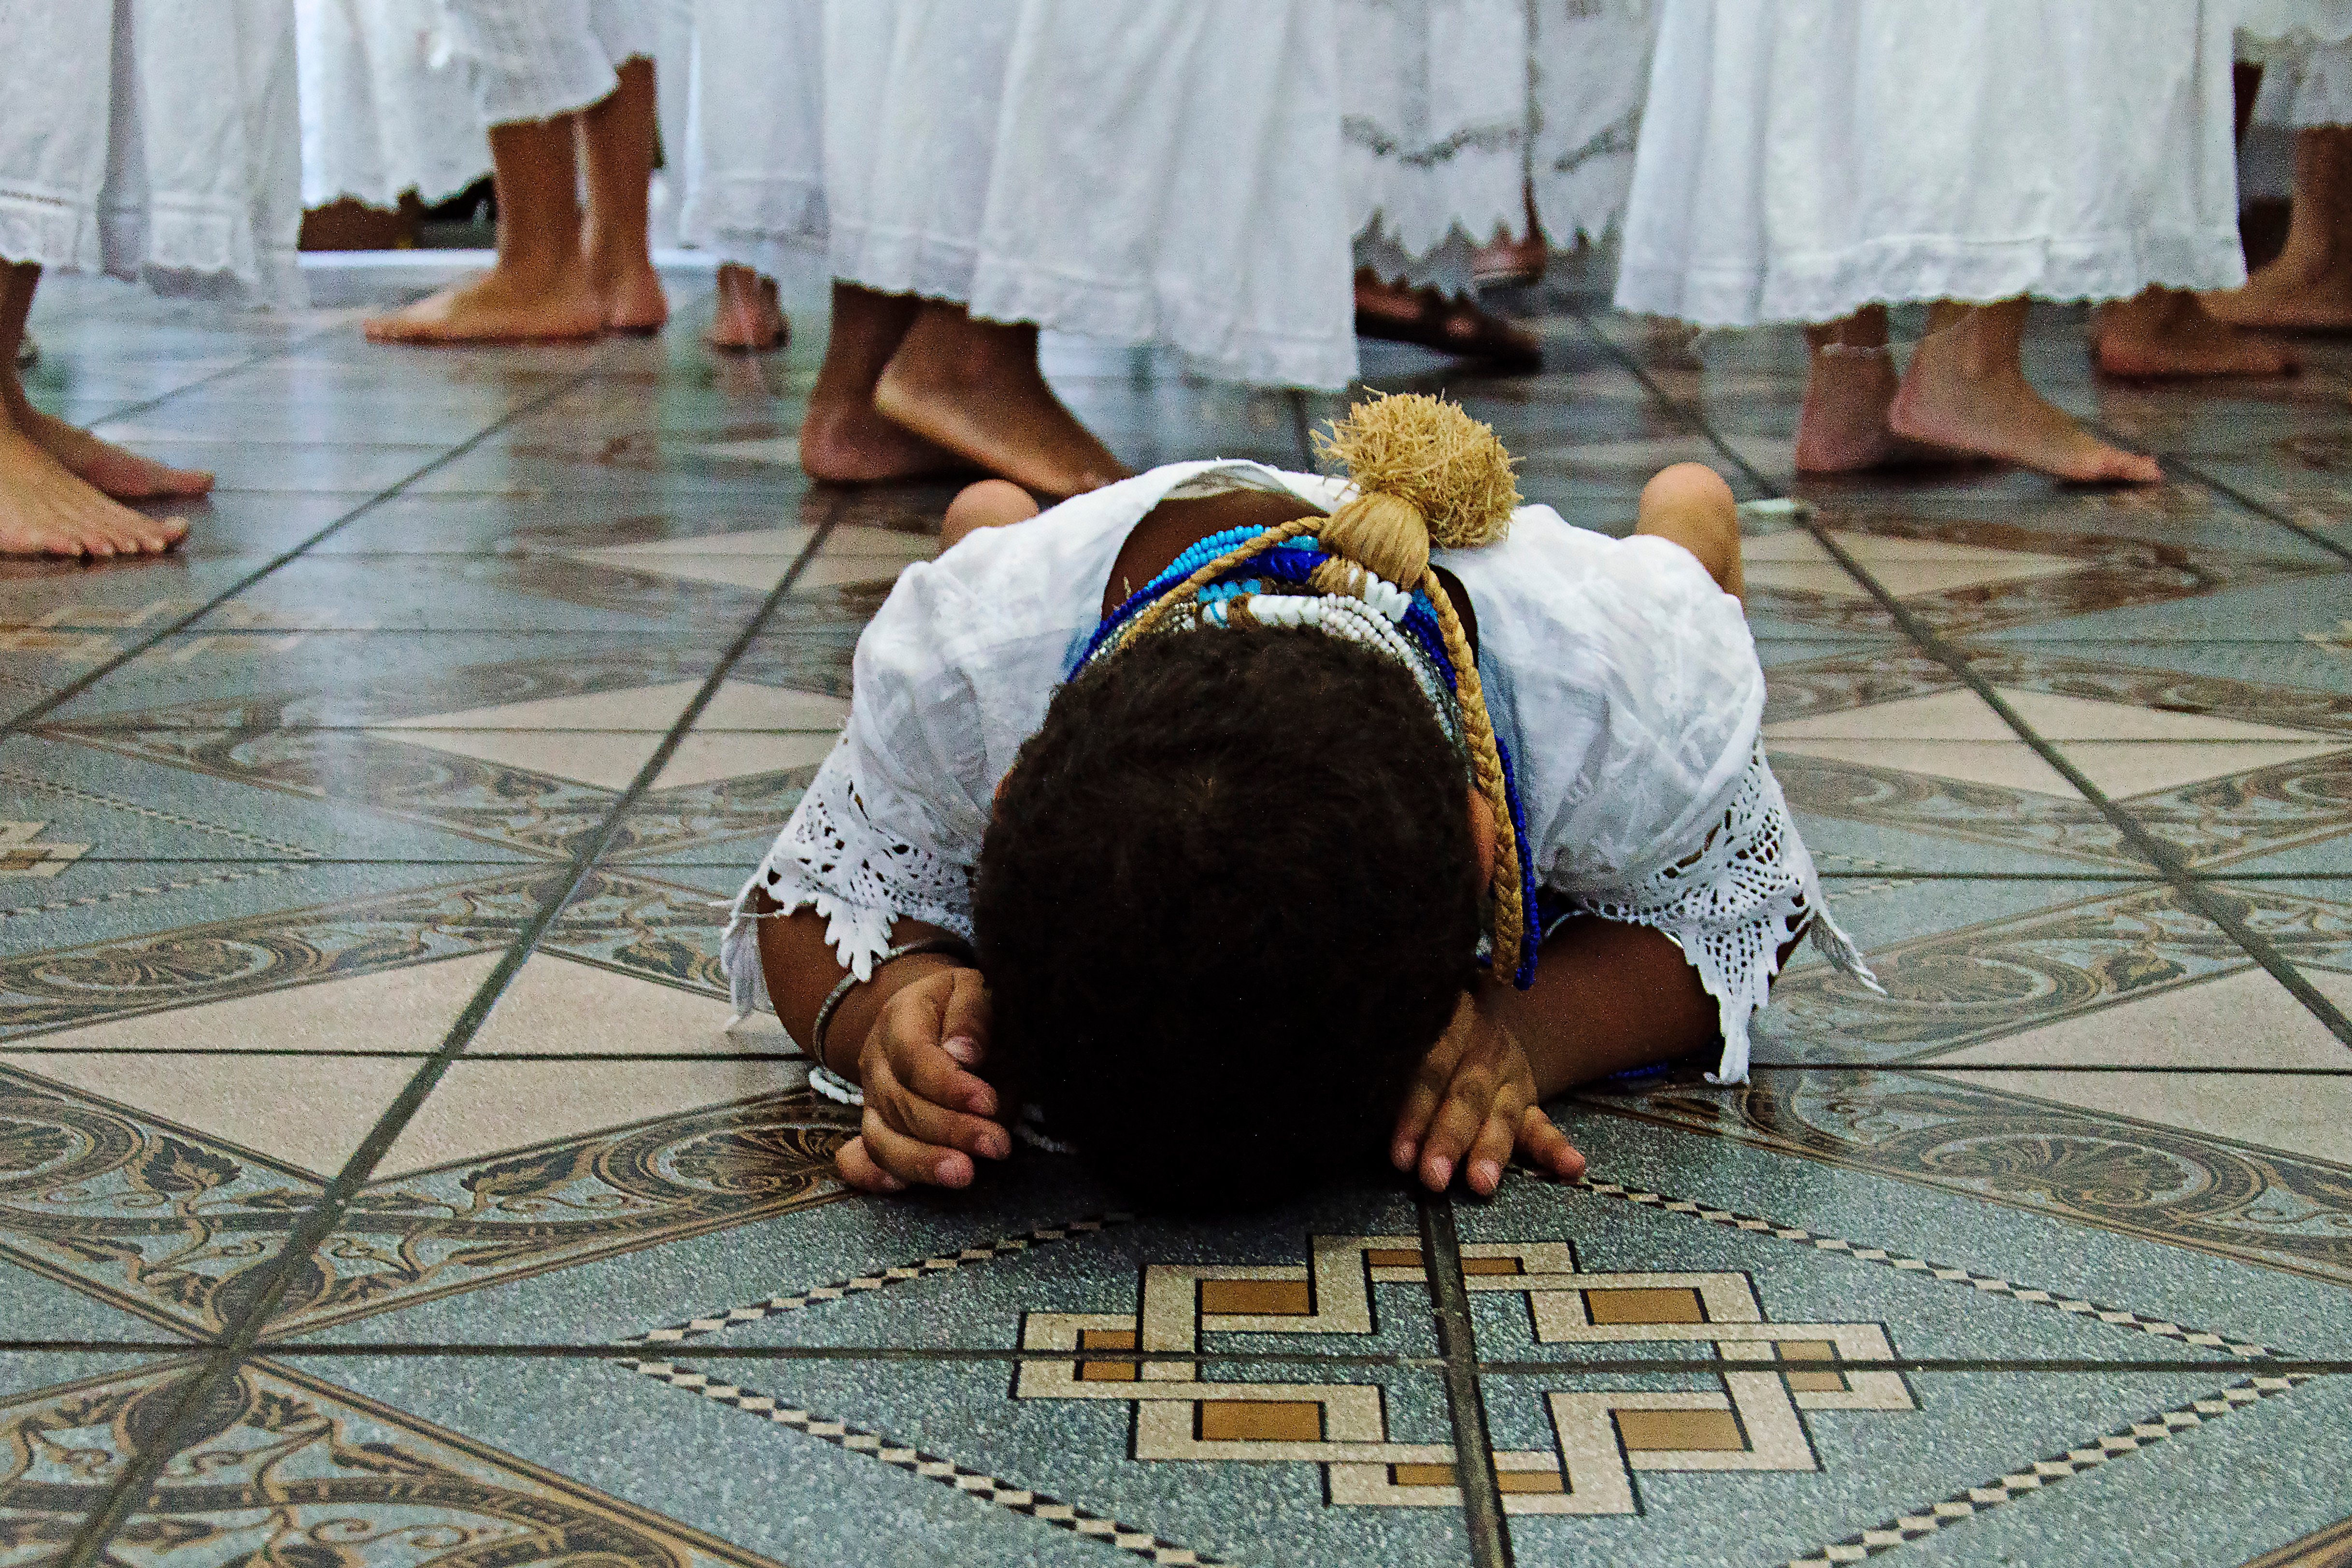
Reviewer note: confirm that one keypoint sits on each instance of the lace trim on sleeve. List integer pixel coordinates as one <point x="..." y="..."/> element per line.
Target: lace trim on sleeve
<point x="1732" y="905"/>
<point x="833" y="858"/>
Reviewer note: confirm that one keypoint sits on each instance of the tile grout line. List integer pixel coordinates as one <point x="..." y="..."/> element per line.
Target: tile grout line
<point x="238" y="1343"/>
<point x="2188" y="468"/>
<point x="1474" y="1451"/>
<point x="147" y="404"/>
<point x="2164" y="856"/>
<point x="26" y="718"/>
<point x="1903" y="1529"/>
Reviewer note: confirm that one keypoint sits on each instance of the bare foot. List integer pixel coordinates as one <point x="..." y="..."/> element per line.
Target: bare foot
<point x="1844" y="429"/>
<point x="47" y="511"/>
<point x="1991" y="410"/>
<point x="844" y="441"/>
<point x="747" y="319"/>
<point x="124" y="475"/>
<point x="2292" y="294"/>
<point x="1396" y="313"/>
<point x="635" y="303"/>
<point x="2169" y="332"/>
<point x="974" y="388"/>
<point x="496" y="307"/>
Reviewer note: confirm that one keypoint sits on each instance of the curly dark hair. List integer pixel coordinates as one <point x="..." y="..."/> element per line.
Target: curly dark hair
<point x="1227" y="901"/>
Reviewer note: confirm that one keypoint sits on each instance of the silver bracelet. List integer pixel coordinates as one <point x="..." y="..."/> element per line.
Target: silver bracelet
<point x="952" y="946"/>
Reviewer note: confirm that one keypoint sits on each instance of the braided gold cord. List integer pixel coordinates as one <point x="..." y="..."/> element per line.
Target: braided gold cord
<point x="1486" y="760"/>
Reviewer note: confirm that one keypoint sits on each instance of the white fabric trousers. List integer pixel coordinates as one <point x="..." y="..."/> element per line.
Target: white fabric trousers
<point x="1152" y="172"/>
<point x="754" y="162"/>
<point x="386" y="107"/>
<point x="157" y="140"/>
<point x="534" y="60"/>
<point x="1800" y="159"/>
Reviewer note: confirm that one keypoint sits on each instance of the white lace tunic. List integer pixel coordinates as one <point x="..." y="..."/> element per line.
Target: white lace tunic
<point x="1623" y="681"/>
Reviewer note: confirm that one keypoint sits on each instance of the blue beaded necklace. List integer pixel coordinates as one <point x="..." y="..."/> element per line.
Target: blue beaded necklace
<point x="1293" y="561"/>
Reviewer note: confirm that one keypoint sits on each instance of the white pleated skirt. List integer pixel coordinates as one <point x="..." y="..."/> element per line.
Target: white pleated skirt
<point x="754" y="154"/>
<point x="534" y="60"/>
<point x="157" y="140"/>
<point x="386" y="108"/>
<point x="2306" y="50"/>
<point x="1800" y="159"/>
<point x="1159" y="172"/>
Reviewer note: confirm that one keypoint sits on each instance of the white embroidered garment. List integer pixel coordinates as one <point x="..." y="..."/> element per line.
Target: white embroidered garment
<point x="755" y="140"/>
<point x="159" y="140"/>
<point x="1455" y="111"/>
<point x="1161" y="172"/>
<point x="1623" y="681"/>
<point x="534" y="60"/>
<point x="2305" y="48"/>
<point x="1799" y="159"/>
<point x="386" y="107"/>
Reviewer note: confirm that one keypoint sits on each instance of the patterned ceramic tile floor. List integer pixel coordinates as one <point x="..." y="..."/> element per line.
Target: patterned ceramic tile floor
<point x="380" y="1189"/>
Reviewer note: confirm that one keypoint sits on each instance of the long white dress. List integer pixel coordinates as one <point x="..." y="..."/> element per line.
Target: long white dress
<point x="534" y="60"/>
<point x="754" y="144"/>
<point x="1800" y="159"/>
<point x="1152" y="172"/>
<point x="1622" y="679"/>
<point x="1455" y="109"/>
<point x="386" y="106"/>
<point x="155" y="140"/>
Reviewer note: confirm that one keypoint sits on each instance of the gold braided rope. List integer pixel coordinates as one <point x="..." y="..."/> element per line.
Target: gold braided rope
<point x="1470" y="697"/>
<point x="1486" y="763"/>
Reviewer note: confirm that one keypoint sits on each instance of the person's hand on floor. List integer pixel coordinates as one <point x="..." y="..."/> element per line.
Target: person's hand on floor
<point x="929" y="1115"/>
<point x="1472" y="1104"/>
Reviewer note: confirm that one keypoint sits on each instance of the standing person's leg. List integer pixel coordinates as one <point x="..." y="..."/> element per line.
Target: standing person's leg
<point x="47" y="508"/>
<point x="2169" y="332"/>
<point x="747" y="316"/>
<point x="2308" y="288"/>
<point x="974" y="387"/>
<point x="617" y="136"/>
<point x="541" y="287"/>
<point x="844" y="439"/>
<point x="1965" y="389"/>
<point x="1850" y="387"/>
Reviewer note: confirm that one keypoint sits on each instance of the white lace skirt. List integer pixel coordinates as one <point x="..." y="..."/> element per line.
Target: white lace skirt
<point x="534" y="60"/>
<point x="159" y="140"/>
<point x="1799" y="159"/>
<point x="1154" y="172"/>
<point x="386" y="107"/>
<point x="754" y="162"/>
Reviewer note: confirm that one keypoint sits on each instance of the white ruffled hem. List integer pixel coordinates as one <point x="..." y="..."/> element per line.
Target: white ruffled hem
<point x="1831" y="285"/>
<point x="1004" y="288"/>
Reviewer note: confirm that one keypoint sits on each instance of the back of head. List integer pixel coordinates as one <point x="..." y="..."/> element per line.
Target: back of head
<point x="1227" y="899"/>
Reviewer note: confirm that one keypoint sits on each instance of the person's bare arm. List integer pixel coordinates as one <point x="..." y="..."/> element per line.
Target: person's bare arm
<point x="912" y="1037"/>
<point x="1606" y="998"/>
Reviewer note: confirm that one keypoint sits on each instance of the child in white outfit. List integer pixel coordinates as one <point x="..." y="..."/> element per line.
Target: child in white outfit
<point x="1239" y="839"/>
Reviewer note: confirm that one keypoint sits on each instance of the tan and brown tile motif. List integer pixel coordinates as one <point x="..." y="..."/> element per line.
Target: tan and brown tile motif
<point x="280" y="1467"/>
<point x="1753" y="1421"/>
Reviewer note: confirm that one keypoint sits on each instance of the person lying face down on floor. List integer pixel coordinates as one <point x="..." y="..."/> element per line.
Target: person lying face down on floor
<point x="1236" y="828"/>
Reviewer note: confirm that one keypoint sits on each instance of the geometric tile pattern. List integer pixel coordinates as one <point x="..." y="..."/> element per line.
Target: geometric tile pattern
<point x="1752" y="1423"/>
<point x="1022" y="1500"/>
<point x="1982" y="1283"/>
<point x="1963" y="1505"/>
